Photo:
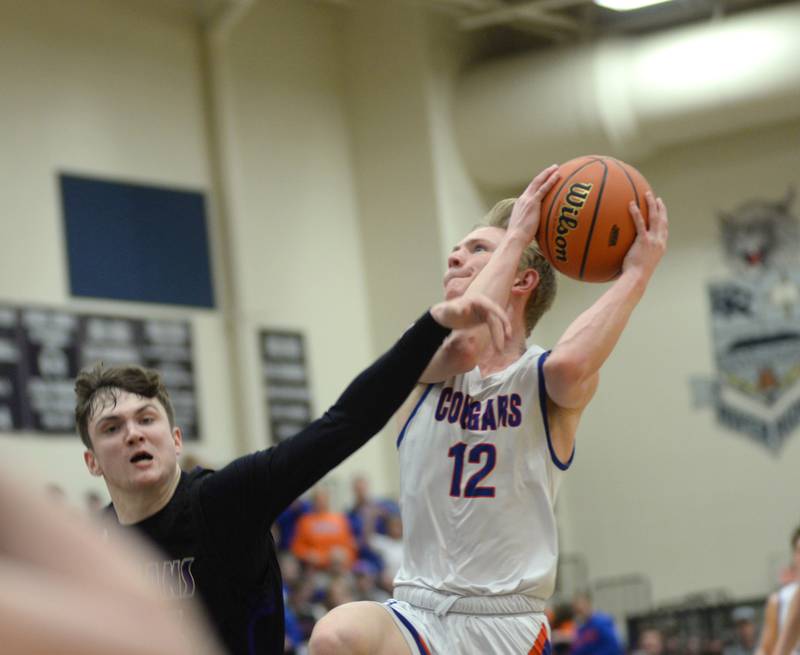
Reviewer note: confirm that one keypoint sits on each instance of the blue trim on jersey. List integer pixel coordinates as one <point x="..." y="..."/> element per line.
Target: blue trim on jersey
<point x="543" y="405"/>
<point x="416" y="407"/>
<point x="410" y="627"/>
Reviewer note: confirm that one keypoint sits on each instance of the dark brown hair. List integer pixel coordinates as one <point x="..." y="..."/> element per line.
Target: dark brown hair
<point x="101" y="384"/>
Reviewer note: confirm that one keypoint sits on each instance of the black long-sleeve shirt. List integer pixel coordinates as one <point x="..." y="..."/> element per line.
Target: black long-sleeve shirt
<point x="215" y="530"/>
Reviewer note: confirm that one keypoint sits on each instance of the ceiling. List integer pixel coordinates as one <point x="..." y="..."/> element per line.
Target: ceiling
<point x="507" y="26"/>
<point x="554" y="21"/>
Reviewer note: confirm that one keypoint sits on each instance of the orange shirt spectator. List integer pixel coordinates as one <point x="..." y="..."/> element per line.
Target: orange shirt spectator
<point x="323" y="536"/>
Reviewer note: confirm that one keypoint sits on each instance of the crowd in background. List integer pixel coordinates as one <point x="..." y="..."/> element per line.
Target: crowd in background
<point x="579" y="629"/>
<point x="329" y="558"/>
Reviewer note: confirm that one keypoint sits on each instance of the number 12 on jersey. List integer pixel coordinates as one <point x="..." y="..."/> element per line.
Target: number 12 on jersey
<point x="484" y="453"/>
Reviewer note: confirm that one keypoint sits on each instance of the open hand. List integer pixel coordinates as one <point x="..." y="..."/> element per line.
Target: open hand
<point x="472" y="310"/>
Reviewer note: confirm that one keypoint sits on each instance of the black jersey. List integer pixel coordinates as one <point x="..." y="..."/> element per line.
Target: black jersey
<point x="215" y="530"/>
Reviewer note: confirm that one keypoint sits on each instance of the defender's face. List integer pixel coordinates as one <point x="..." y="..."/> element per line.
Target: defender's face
<point x="134" y="447"/>
<point x="468" y="258"/>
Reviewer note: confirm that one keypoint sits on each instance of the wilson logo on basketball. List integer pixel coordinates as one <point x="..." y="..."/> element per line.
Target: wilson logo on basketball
<point x="568" y="216"/>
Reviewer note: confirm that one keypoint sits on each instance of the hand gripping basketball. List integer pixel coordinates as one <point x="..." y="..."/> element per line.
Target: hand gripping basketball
<point x="651" y="241"/>
<point x="526" y="214"/>
<point x="586" y="229"/>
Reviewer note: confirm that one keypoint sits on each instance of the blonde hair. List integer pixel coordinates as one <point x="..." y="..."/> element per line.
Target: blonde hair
<point x="543" y="295"/>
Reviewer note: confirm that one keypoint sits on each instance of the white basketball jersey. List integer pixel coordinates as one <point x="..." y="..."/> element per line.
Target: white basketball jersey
<point x="478" y="480"/>
<point x="785" y="595"/>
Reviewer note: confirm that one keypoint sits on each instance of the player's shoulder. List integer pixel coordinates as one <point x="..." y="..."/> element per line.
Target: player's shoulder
<point x="535" y="351"/>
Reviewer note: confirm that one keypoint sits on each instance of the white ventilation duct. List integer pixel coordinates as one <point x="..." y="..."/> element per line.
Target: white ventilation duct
<point x="629" y="98"/>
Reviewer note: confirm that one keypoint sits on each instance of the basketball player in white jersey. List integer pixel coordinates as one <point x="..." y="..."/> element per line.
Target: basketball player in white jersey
<point x="778" y="603"/>
<point x="789" y="637"/>
<point x="486" y="440"/>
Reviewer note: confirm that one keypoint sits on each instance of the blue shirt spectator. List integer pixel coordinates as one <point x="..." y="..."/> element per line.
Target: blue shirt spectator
<point x="596" y="634"/>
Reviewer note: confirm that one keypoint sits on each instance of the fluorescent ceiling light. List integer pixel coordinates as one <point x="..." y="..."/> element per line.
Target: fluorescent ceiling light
<point x="627" y="5"/>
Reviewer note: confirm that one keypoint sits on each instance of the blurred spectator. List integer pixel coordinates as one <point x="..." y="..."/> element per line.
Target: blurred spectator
<point x="291" y="571"/>
<point x="673" y="645"/>
<point x="293" y="634"/>
<point x="366" y="518"/>
<point x="651" y="642"/>
<point x="286" y="522"/>
<point x="365" y="512"/>
<point x="340" y="591"/>
<point x="390" y="549"/>
<point x="304" y="606"/>
<point x="596" y="634"/>
<point x="744" y="627"/>
<point x="713" y="647"/>
<point x="365" y="576"/>
<point x="562" y="628"/>
<point x="323" y="536"/>
<point x="190" y="461"/>
<point x="693" y="646"/>
<point x="368" y="515"/>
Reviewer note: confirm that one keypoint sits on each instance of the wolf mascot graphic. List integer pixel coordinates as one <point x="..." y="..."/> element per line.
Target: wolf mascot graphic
<point x="755" y="319"/>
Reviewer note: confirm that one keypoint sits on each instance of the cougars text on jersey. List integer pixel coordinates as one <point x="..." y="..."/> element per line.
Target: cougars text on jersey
<point x="479" y="415"/>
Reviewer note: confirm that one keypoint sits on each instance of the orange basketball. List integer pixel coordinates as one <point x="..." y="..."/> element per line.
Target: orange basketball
<point x="585" y="229"/>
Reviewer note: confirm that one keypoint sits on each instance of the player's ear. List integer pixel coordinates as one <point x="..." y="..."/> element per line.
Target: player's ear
<point x="92" y="464"/>
<point x="177" y="439"/>
<point x="525" y="282"/>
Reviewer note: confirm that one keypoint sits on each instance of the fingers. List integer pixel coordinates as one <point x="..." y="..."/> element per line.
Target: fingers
<point x="663" y="223"/>
<point x="652" y="205"/>
<point x="499" y="326"/>
<point x="496" y="332"/>
<point x="504" y="325"/>
<point x="638" y="219"/>
<point x="541" y="179"/>
<point x="555" y="176"/>
<point x="467" y="312"/>
<point x="483" y="310"/>
<point x="659" y="222"/>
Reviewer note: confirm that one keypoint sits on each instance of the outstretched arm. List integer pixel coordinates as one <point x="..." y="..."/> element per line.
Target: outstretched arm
<point x="789" y="636"/>
<point x="279" y="475"/>
<point x="571" y="371"/>
<point x="461" y="350"/>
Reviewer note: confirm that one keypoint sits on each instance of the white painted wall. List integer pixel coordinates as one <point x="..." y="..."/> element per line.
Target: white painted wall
<point x="295" y="236"/>
<point x="112" y="89"/>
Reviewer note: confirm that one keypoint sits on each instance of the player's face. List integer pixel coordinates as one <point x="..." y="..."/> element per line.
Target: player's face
<point x="134" y="448"/>
<point x="468" y="258"/>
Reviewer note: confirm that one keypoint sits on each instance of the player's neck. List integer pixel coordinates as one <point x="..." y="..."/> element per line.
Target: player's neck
<point x="493" y="361"/>
<point x="134" y="506"/>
